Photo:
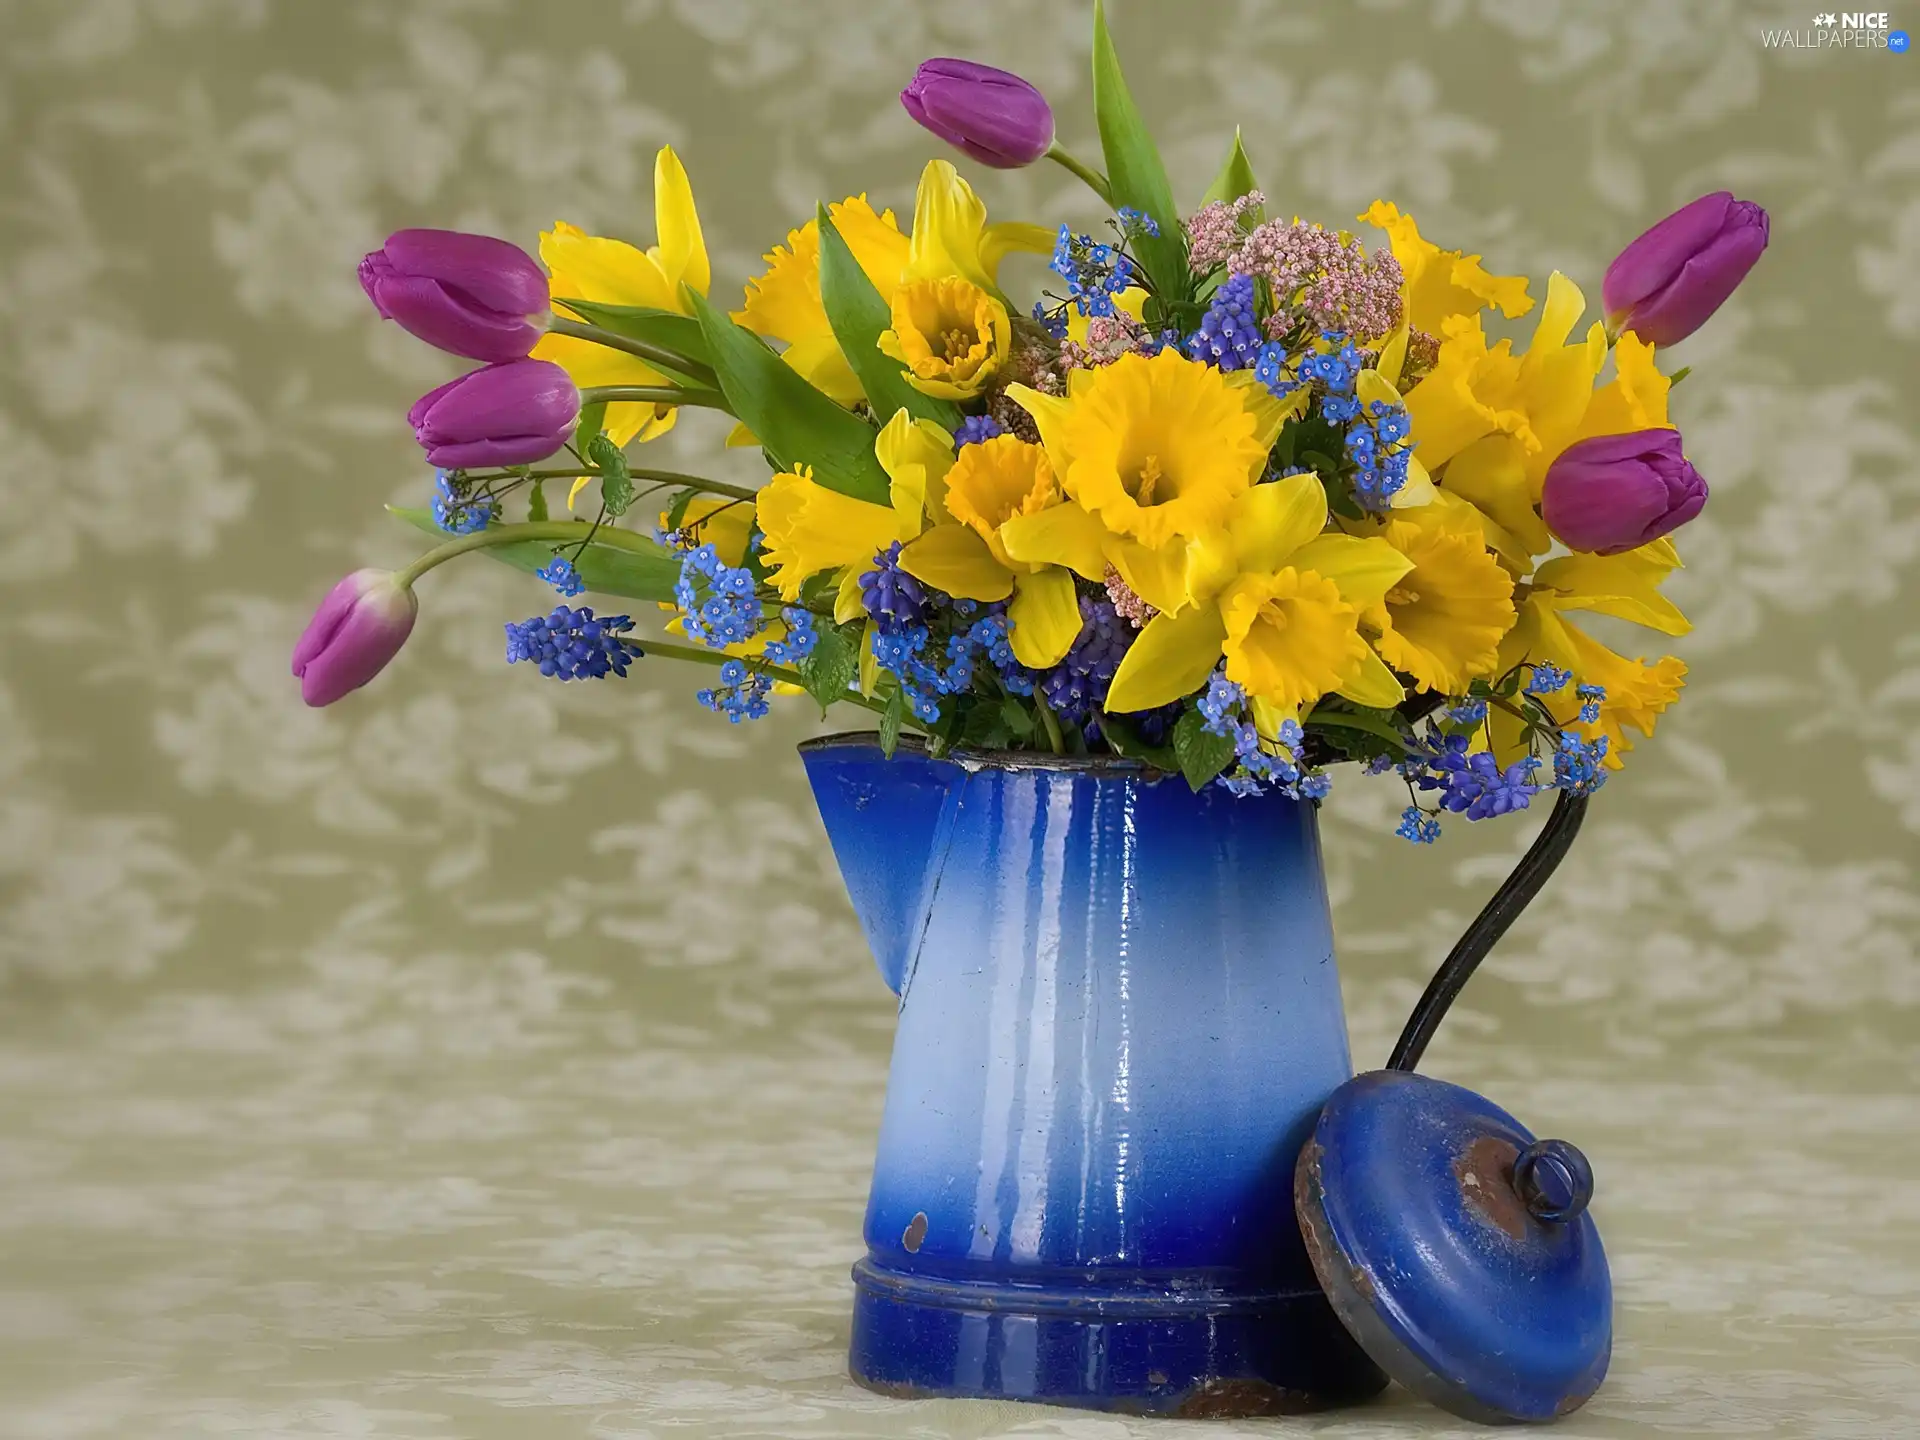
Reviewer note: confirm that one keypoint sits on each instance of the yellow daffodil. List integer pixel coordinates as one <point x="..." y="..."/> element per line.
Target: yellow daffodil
<point x="1158" y="448"/>
<point x="1266" y="588"/>
<point x="1442" y="621"/>
<point x="784" y="303"/>
<point x="1496" y="420"/>
<point x="949" y="334"/>
<point x="810" y="528"/>
<point x="612" y="272"/>
<point x="951" y="238"/>
<point x="992" y="483"/>
<point x="1441" y="284"/>
<point x="1627" y="587"/>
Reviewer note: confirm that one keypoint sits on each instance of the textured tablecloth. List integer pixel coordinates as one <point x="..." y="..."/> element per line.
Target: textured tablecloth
<point x="485" y="1057"/>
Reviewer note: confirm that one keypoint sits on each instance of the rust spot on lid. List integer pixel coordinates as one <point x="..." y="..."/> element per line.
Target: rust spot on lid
<point x="916" y="1233"/>
<point x="1485" y="1173"/>
<point x="1223" y="1399"/>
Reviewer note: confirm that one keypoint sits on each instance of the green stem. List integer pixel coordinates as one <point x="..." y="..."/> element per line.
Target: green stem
<point x="1047" y="718"/>
<point x="700" y="656"/>
<point x="562" y="530"/>
<point x="658" y="355"/>
<point x="655" y="395"/>
<point x="662" y="477"/>
<point x="1095" y="180"/>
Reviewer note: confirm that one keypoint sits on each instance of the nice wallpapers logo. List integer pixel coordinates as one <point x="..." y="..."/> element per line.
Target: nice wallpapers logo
<point x="1842" y="30"/>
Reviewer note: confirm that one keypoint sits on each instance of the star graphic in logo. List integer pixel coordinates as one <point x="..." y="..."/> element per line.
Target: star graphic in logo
<point x="1829" y="18"/>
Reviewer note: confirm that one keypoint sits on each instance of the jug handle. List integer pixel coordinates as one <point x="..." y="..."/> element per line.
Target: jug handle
<point x="1535" y="868"/>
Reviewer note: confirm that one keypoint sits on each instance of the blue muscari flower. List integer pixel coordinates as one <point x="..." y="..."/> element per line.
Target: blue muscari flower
<point x="1547" y="678"/>
<point x="560" y="574"/>
<point x="741" y="694"/>
<point x="1081" y="680"/>
<point x="1473" y="783"/>
<point x="974" y="429"/>
<point x="801" y="637"/>
<point x="1467" y="712"/>
<point x="1590" y="698"/>
<point x="1229" y="336"/>
<point x="889" y="593"/>
<point x="1577" y="763"/>
<point x="1418" y="826"/>
<point x="573" y="644"/>
<point x="717" y="600"/>
<point x="455" y="513"/>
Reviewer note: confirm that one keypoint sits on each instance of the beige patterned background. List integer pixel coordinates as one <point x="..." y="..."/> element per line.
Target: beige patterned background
<point x="486" y="1057"/>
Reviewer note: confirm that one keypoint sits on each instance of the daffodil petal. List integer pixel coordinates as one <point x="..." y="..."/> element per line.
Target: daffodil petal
<point x="847" y="601"/>
<point x="1375" y="685"/>
<point x="1393" y="354"/>
<point x="916" y="454"/>
<point x="1009" y="237"/>
<point x="1158" y="576"/>
<point x="682" y="251"/>
<point x="1270" y="522"/>
<point x="955" y="559"/>
<point x="1625" y="586"/>
<point x="869" y="661"/>
<point x="1362" y="569"/>
<point x="573" y="492"/>
<point x="1172" y="657"/>
<point x="1058" y="535"/>
<point x="1046" y="618"/>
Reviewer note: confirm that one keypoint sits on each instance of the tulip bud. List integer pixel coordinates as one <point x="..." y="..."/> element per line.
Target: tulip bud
<point x="1665" y="285"/>
<point x="1618" y="492"/>
<point x="358" y="628"/>
<point x="511" y="414"/>
<point x="992" y="115"/>
<point x="472" y="295"/>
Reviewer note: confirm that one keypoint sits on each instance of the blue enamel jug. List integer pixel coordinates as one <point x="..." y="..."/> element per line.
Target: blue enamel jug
<point x="1119" y="1021"/>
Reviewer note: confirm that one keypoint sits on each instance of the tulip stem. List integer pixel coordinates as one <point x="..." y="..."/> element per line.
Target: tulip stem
<point x="561" y="530"/>
<point x="655" y="395"/>
<point x="1095" y="180"/>
<point x="653" y="354"/>
<point x="662" y="477"/>
<point x="720" y="657"/>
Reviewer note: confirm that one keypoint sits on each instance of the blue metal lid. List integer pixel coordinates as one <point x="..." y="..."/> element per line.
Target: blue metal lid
<point x="1457" y="1248"/>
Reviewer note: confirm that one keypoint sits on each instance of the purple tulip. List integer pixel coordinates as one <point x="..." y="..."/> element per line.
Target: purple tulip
<point x="1666" y="284"/>
<point x="358" y="628"/>
<point x="511" y="414"/>
<point x="1618" y="492"/>
<point x="472" y="295"/>
<point x="994" y="116"/>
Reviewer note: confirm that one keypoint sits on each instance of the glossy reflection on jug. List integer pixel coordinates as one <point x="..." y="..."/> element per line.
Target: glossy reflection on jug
<point x="1119" y="1018"/>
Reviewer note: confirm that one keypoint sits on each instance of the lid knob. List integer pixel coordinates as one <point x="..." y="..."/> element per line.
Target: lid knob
<point x="1553" y="1179"/>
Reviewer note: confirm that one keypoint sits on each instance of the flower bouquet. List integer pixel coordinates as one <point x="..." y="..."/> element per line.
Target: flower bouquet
<point x="1225" y="495"/>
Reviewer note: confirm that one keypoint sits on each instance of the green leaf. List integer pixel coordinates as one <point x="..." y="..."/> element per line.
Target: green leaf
<point x="616" y="485"/>
<point x="592" y="417"/>
<point x="891" y="719"/>
<point x="677" y="509"/>
<point x="537" y="501"/>
<point x="1021" y="722"/>
<point x="986" y="728"/>
<point x="665" y="328"/>
<point x="1122" y="740"/>
<point x="1135" y="173"/>
<point x="1369" y="722"/>
<point x="797" y="424"/>
<point x="637" y="576"/>
<point x="1235" y="179"/>
<point x="1202" y="755"/>
<point x="859" y="317"/>
<point x="830" y="669"/>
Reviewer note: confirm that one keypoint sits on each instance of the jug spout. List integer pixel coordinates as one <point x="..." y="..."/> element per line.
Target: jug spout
<point x="887" y="820"/>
